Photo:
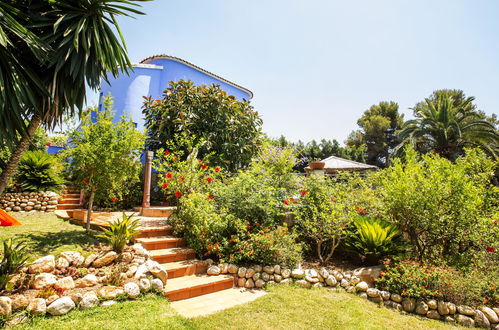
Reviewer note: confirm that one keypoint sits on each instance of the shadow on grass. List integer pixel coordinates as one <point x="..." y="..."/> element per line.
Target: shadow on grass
<point x="45" y="243"/>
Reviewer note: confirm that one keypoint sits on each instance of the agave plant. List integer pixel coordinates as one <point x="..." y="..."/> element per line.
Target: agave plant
<point x="121" y="232"/>
<point x="38" y="171"/>
<point x="12" y="260"/>
<point x="374" y="239"/>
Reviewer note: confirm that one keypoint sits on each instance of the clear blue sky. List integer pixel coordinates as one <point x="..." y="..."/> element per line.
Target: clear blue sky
<point x="315" y="66"/>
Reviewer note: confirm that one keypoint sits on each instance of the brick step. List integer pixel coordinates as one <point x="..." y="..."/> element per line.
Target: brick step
<point x="157" y="211"/>
<point x="172" y="255"/>
<point x="154" y="231"/>
<point x="161" y="242"/>
<point x="68" y="196"/>
<point x="185" y="268"/>
<point x="69" y="201"/>
<point x="192" y="286"/>
<point x="69" y="206"/>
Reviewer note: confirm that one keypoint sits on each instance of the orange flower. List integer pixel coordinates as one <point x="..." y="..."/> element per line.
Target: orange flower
<point x="169" y="175"/>
<point x="208" y="179"/>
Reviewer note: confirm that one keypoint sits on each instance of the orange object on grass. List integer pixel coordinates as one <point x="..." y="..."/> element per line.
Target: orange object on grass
<point x="7" y="220"/>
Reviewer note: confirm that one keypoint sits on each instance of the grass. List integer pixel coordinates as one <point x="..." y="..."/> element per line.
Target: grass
<point x="47" y="234"/>
<point x="283" y="308"/>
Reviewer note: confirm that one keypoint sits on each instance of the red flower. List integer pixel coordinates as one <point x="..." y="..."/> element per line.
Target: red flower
<point x="204" y="166"/>
<point x="363" y="211"/>
<point x="166" y="152"/>
<point x="169" y="175"/>
<point x="114" y="199"/>
<point x="48" y="144"/>
<point x="175" y="158"/>
<point x="491" y="249"/>
<point x="211" y="197"/>
<point x="217" y="169"/>
<point x="181" y="179"/>
<point x="303" y="192"/>
<point x="495" y="222"/>
<point x="292" y="200"/>
<point x="165" y="185"/>
<point x="286" y="202"/>
<point x="333" y="200"/>
<point x="208" y="179"/>
<point x="178" y="194"/>
<point x="357" y="208"/>
<point x="85" y="181"/>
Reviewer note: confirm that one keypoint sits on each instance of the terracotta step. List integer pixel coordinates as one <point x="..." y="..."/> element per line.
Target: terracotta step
<point x="161" y="242"/>
<point x="185" y="268"/>
<point x="69" y="201"/>
<point x="69" y="206"/>
<point x="172" y="255"/>
<point x="157" y="211"/>
<point x="154" y="231"/>
<point x="192" y="286"/>
<point x="75" y="195"/>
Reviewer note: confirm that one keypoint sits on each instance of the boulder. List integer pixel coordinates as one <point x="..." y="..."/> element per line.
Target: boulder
<point x="367" y="274"/>
<point x="89" y="260"/>
<point x="286" y="281"/>
<point x="350" y="289"/>
<point x="144" y="284"/>
<point x="311" y="279"/>
<point x="395" y="297"/>
<point x="19" y="302"/>
<point x="51" y="299"/>
<point x="338" y="276"/>
<point x="42" y="265"/>
<point x="465" y="320"/>
<point x="490" y="314"/>
<point x="465" y="310"/>
<point x="443" y="308"/>
<point x="108" y="303"/>
<point x="249" y="284"/>
<point x="37" y="306"/>
<point x="232" y="269"/>
<point x="89" y="300"/>
<point x="157" y="285"/>
<point x="241" y="272"/>
<point x="303" y="283"/>
<point x="277" y="278"/>
<point x="331" y="280"/>
<point x="141" y="271"/>
<point x="311" y="273"/>
<point x="241" y="281"/>
<point x="43" y="280"/>
<point x="298" y="273"/>
<point x="277" y="269"/>
<point x="286" y="273"/>
<point x="132" y="290"/>
<point x="432" y="304"/>
<point x="126" y="257"/>
<point x="105" y="259"/>
<point x="157" y="270"/>
<point x="138" y="249"/>
<point x="250" y="272"/>
<point x="224" y="268"/>
<point x="258" y="268"/>
<point x="61" y="263"/>
<point x="385" y="295"/>
<point x="269" y="269"/>
<point x="448" y="318"/>
<point x="409" y="304"/>
<point x="73" y="257"/>
<point x="256" y="276"/>
<point x="87" y="281"/>
<point x="259" y="283"/>
<point x="65" y="283"/>
<point x="265" y="276"/>
<point x="344" y="283"/>
<point x="77" y="297"/>
<point x="422" y="308"/>
<point x="324" y="273"/>
<point x="432" y="314"/>
<point x="109" y="292"/>
<point x="213" y="270"/>
<point x="17" y="319"/>
<point x="354" y="280"/>
<point x="362" y="286"/>
<point x="481" y="320"/>
<point x="363" y="295"/>
<point x="61" y="306"/>
<point x="5" y="306"/>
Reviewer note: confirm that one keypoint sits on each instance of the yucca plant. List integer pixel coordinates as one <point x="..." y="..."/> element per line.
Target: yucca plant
<point x="121" y="232"/>
<point x="374" y="239"/>
<point x="13" y="259"/>
<point x="39" y="171"/>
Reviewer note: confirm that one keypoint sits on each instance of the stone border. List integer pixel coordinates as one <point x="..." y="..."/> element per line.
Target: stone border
<point x="258" y="277"/>
<point x="29" y="201"/>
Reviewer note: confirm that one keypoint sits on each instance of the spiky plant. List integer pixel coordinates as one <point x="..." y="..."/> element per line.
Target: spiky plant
<point x="120" y="232"/>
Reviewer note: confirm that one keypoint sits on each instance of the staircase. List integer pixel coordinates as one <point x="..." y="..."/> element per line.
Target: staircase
<point x="70" y="200"/>
<point x="186" y="275"/>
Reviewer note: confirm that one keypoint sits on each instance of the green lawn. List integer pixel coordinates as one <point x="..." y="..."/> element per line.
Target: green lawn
<point x="47" y="234"/>
<point x="283" y="308"/>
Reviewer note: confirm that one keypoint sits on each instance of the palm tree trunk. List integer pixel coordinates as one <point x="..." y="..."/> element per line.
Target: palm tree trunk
<point x="18" y="152"/>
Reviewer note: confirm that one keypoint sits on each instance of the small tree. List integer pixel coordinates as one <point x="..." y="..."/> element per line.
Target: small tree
<point x="323" y="215"/>
<point x="104" y="155"/>
<point x="230" y="129"/>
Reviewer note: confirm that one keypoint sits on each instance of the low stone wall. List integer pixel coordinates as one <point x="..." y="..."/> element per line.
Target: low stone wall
<point x="258" y="277"/>
<point x="29" y="201"/>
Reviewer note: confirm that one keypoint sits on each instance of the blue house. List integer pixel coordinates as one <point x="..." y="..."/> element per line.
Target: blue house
<point x="151" y="76"/>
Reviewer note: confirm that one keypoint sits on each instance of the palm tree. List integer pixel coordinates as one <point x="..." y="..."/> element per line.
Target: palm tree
<point x="80" y="48"/>
<point x="444" y="127"/>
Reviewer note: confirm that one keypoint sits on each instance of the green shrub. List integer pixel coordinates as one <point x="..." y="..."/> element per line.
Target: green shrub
<point x="39" y="171"/>
<point x="13" y="258"/>
<point x="120" y="232"/>
<point x="443" y="208"/>
<point x="374" y="239"/>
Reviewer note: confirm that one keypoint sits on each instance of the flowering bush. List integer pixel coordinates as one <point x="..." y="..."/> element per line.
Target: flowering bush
<point x="412" y="279"/>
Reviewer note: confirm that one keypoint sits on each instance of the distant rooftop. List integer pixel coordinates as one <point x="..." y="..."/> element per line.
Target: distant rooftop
<point x="335" y="164"/>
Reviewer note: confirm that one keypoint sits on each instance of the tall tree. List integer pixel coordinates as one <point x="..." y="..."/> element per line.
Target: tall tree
<point x="378" y="132"/>
<point x="447" y="123"/>
<point x="80" y="48"/>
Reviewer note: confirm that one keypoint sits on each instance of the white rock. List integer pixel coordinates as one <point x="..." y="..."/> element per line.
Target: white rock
<point x="108" y="303"/>
<point x="224" y="268"/>
<point x="5" y="306"/>
<point x="232" y="269"/>
<point x="105" y="259"/>
<point x="213" y="270"/>
<point x="61" y="306"/>
<point x="362" y="286"/>
<point x="43" y="280"/>
<point x="157" y="270"/>
<point x="303" y="283"/>
<point x="109" y="292"/>
<point x="286" y="273"/>
<point x="490" y="314"/>
<point x="140" y="250"/>
<point x="61" y="263"/>
<point x="372" y="292"/>
<point x="37" y="306"/>
<point x="395" y="297"/>
<point x="19" y="302"/>
<point x="144" y="284"/>
<point x="89" y="300"/>
<point x="42" y="265"/>
<point x="354" y="280"/>
<point x="269" y="270"/>
<point x="277" y="269"/>
<point x="65" y="283"/>
<point x="141" y="271"/>
<point x="157" y="285"/>
<point x="385" y="295"/>
<point x="87" y="281"/>
<point x="344" y="283"/>
<point x="75" y="258"/>
<point x="259" y="283"/>
<point x="132" y="290"/>
<point x="89" y="260"/>
<point x="249" y="284"/>
<point x="241" y="272"/>
<point x="331" y="280"/>
<point x="311" y="273"/>
<point x="324" y="273"/>
<point x="298" y="273"/>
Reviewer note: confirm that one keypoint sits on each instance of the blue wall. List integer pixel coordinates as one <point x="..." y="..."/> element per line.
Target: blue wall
<point x="128" y="91"/>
